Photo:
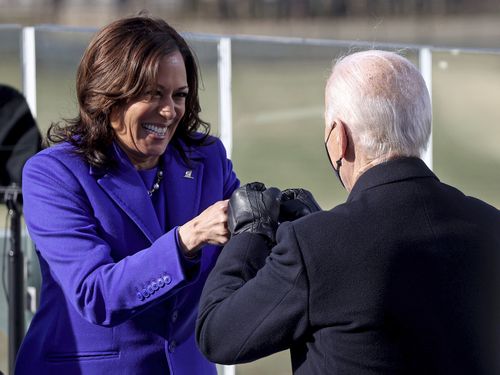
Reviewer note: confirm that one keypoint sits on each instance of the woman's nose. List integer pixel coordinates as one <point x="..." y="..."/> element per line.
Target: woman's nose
<point x="167" y="110"/>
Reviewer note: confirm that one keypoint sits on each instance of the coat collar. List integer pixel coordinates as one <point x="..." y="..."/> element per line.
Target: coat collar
<point x="394" y="170"/>
<point x="182" y="189"/>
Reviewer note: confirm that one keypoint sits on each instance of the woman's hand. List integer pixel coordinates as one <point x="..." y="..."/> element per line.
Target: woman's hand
<point x="209" y="227"/>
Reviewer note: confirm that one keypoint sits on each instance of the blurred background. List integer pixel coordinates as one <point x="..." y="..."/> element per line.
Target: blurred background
<point x="472" y="23"/>
<point x="280" y="55"/>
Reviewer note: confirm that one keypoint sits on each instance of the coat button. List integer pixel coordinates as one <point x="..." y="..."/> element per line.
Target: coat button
<point x="167" y="279"/>
<point x="145" y="293"/>
<point x="155" y="285"/>
<point x="160" y="282"/>
<point x="140" y="296"/>
<point x="150" y="289"/>
<point x="175" y="315"/>
<point x="172" y="346"/>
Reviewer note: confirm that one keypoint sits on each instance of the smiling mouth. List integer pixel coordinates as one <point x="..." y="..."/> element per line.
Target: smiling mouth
<point x="157" y="130"/>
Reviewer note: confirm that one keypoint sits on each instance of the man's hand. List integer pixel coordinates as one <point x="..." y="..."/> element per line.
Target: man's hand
<point x="296" y="203"/>
<point x="255" y="209"/>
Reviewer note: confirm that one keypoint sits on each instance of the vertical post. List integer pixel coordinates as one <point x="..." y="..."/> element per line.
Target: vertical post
<point x="425" y="63"/>
<point x="28" y="58"/>
<point x="225" y="121"/>
<point x="225" y="94"/>
<point x="16" y="275"/>
<point x="12" y="197"/>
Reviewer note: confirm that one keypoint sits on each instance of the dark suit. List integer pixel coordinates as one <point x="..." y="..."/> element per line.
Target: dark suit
<point x="400" y="279"/>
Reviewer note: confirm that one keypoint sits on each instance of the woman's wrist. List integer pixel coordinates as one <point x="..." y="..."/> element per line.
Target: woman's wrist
<point x="188" y="239"/>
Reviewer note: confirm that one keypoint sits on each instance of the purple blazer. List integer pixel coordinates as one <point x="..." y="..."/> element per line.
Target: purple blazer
<point x="117" y="295"/>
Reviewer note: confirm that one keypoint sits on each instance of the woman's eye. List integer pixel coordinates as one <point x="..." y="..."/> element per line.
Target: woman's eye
<point x="182" y="94"/>
<point x="153" y="95"/>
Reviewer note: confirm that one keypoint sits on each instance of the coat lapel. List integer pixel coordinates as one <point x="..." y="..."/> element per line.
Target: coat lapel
<point x="183" y="185"/>
<point x="125" y="187"/>
<point x="182" y="189"/>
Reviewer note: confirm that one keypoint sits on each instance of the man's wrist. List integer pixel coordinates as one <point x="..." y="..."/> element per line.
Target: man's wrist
<point x="265" y="228"/>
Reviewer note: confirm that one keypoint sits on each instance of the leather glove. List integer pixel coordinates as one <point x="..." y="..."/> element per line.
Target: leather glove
<point x="296" y="203"/>
<point x="255" y="209"/>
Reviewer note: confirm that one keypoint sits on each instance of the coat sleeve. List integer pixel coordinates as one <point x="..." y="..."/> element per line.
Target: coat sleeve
<point x="67" y="236"/>
<point x="254" y="303"/>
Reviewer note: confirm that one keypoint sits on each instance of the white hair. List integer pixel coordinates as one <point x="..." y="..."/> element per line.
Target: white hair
<point x="383" y="100"/>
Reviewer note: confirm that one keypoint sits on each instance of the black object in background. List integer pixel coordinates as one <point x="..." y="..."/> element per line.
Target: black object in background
<point x="19" y="135"/>
<point x="19" y="140"/>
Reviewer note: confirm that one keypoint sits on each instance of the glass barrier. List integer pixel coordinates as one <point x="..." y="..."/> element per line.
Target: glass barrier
<point x="10" y="51"/>
<point x="58" y="53"/>
<point x="207" y="56"/>
<point x="278" y="125"/>
<point x="466" y="122"/>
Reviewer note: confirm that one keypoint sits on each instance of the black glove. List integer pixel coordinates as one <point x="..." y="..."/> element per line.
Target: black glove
<point x="255" y="209"/>
<point x="296" y="203"/>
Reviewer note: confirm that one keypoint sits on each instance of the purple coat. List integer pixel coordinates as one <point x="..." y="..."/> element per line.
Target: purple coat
<point x="117" y="295"/>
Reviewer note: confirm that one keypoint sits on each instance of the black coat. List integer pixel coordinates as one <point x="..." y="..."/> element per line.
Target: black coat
<point x="400" y="279"/>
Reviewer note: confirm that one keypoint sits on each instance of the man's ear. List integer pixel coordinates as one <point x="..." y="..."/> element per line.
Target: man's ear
<point x="328" y="129"/>
<point x="342" y="137"/>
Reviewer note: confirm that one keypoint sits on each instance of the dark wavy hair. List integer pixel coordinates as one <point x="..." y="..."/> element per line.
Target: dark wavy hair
<point x="121" y="64"/>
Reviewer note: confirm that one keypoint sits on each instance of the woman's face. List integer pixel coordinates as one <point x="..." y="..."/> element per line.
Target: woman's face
<point x="145" y="126"/>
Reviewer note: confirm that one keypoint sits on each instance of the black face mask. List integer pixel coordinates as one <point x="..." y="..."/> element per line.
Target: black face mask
<point x="338" y="162"/>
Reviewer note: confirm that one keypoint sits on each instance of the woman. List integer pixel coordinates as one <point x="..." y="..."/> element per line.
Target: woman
<point x="127" y="212"/>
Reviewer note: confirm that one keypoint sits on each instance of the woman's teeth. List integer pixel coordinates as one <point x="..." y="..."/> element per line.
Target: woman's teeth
<point x="157" y="130"/>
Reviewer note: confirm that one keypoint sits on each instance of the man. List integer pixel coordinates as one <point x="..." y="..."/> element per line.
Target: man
<point x="400" y="279"/>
